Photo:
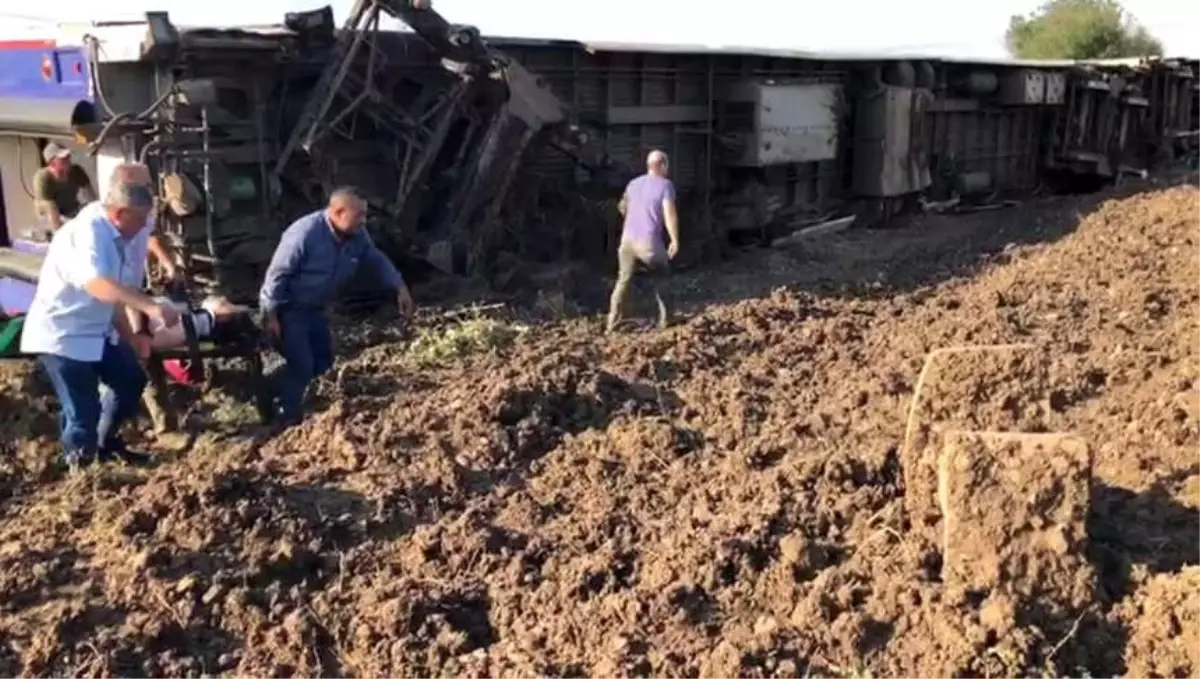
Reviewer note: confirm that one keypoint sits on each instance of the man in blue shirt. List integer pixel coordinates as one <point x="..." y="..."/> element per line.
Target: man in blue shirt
<point x="80" y="298"/>
<point x="315" y="256"/>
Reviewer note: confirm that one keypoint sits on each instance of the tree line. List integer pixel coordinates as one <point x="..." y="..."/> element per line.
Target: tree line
<point x="1080" y="29"/>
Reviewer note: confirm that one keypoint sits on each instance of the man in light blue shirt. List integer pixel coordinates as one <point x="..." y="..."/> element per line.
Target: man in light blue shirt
<point x="315" y="256"/>
<point x="78" y="301"/>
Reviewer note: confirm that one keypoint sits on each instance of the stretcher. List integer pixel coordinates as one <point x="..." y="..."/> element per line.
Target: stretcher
<point x="238" y="336"/>
<point x="188" y="364"/>
<point x="191" y="365"/>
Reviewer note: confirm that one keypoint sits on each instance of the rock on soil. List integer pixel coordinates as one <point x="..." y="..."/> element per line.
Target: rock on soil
<point x="723" y="498"/>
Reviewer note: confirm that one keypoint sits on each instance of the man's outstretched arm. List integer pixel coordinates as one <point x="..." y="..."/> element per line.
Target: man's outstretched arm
<point x="389" y="275"/>
<point x="285" y="263"/>
<point x="97" y="272"/>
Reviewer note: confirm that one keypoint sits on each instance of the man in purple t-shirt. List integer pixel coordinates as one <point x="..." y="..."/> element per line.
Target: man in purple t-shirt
<point x="649" y="208"/>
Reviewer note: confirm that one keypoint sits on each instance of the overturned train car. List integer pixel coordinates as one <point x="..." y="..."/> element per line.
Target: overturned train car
<point x="478" y="154"/>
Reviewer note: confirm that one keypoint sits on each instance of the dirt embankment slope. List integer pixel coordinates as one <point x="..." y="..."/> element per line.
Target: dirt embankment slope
<point x="723" y="498"/>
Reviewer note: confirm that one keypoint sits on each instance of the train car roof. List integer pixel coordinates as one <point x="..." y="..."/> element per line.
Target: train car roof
<point x="820" y="55"/>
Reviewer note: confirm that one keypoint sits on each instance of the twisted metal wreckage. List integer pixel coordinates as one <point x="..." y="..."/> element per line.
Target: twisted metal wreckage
<point x="457" y="136"/>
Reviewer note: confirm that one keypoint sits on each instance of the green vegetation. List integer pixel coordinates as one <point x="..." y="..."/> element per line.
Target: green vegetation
<point x="442" y="345"/>
<point x="1079" y="29"/>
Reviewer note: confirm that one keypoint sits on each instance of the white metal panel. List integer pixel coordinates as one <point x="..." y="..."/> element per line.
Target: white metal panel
<point x="12" y="29"/>
<point x="797" y="123"/>
<point x="1056" y="88"/>
<point x="115" y="43"/>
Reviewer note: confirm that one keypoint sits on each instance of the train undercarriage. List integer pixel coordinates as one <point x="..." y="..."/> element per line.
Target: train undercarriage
<point x="480" y="155"/>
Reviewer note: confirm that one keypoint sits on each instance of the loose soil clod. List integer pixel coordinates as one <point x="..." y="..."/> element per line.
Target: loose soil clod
<point x="729" y="497"/>
<point x="1014" y="525"/>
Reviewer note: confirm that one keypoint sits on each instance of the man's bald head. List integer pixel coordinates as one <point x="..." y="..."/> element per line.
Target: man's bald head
<point x="656" y="163"/>
<point x="347" y="210"/>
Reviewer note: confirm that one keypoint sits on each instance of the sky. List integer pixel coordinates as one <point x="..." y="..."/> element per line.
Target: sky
<point x="941" y="27"/>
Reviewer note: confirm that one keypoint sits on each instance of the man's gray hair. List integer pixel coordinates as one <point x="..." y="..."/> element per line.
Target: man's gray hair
<point x="656" y="157"/>
<point x="346" y="193"/>
<point x="126" y="193"/>
<point x="127" y="171"/>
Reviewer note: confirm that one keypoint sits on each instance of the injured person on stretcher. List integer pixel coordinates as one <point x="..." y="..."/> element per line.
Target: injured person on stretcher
<point x="213" y="315"/>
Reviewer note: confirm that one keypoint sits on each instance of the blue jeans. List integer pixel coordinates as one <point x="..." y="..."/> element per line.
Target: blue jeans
<point x="91" y="424"/>
<point x="307" y="350"/>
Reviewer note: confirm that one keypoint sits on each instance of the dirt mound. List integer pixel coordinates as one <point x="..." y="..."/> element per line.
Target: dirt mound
<point x="731" y="497"/>
<point x="28" y="425"/>
<point x="1164" y="624"/>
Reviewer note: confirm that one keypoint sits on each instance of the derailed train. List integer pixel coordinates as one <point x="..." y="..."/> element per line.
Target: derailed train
<point x="478" y="154"/>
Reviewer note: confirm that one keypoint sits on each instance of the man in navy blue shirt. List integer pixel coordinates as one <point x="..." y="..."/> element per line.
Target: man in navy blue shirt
<point x="315" y="256"/>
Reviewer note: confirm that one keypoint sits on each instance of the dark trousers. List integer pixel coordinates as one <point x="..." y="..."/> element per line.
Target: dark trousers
<point x="632" y="259"/>
<point x="90" y="423"/>
<point x="307" y="349"/>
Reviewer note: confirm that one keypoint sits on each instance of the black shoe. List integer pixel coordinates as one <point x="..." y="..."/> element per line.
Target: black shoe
<point x="129" y="457"/>
<point x="134" y="459"/>
<point x="285" y="420"/>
